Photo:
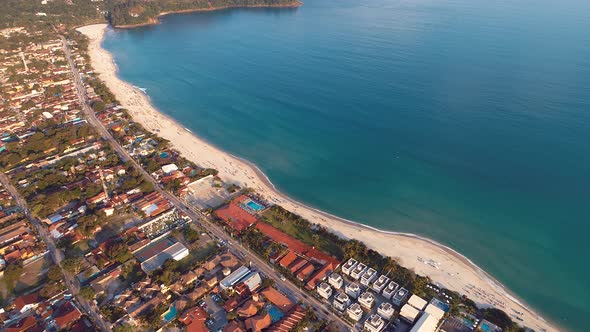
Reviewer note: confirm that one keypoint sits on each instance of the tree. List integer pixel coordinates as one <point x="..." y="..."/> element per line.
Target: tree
<point x="54" y="273"/>
<point x="12" y="274"/>
<point x="87" y="293"/>
<point x="118" y="252"/>
<point x="72" y="264"/>
<point x="123" y="328"/>
<point x="190" y="234"/>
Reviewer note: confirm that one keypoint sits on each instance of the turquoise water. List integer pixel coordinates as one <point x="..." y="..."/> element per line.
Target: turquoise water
<point x="255" y="206"/>
<point x="275" y="313"/>
<point x="467" y="121"/>
<point x="170" y="314"/>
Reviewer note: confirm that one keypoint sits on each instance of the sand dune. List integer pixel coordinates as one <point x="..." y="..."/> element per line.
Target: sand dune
<point x="444" y="266"/>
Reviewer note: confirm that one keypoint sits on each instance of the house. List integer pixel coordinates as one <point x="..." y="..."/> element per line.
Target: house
<point x="390" y="289"/>
<point x="258" y="323"/>
<point x="374" y="323"/>
<point x="358" y="271"/>
<point x="194" y="319"/>
<point x="399" y="296"/>
<point x="235" y="326"/>
<point x="66" y="315"/>
<point x="368" y="276"/>
<point x="434" y="310"/>
<point x="22" y="325"/>
<point x="289" y="321"/>
<point x="324" y="290"/>
<point x="355" y="312"/>
<point x="349" y="266"/>
<point x="380" y="283"/>
<point x="279" y="300"/>
<point x="341" y="301"/>
<point x="353" y="290"/>
<point x="385" y="310"/>
<point x="336" y="280"/>
<point x="367" y="300"/>
<point x="27" y="302"/>
<point x="252" y="281"/>
<point x="249" y="309"/>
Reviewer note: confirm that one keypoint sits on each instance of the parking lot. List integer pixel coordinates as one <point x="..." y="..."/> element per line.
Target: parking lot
<point x="217" y="315"/>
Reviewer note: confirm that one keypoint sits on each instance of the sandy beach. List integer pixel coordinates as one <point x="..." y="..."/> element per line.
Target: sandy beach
<point x="444" y="266"/>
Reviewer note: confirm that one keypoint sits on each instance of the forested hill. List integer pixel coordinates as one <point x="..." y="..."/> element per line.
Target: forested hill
<point x="137" y="12"/>
<point x="51" y="14"/>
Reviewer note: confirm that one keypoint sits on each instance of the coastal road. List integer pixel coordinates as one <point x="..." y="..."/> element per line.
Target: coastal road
<point x="318" y="307"/>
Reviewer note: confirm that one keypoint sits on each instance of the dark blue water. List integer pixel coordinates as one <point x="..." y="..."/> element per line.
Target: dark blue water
<point x="467" y="121"/>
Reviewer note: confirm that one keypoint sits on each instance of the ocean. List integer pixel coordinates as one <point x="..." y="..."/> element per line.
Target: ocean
<point x="466" y="121"/>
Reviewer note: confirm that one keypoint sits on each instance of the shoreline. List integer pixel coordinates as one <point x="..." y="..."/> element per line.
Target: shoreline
<point x="156" y="20"/>
<point x="453" y="270"/>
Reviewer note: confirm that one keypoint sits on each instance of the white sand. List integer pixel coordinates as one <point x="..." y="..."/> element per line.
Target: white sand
<point x="443" y="265"/>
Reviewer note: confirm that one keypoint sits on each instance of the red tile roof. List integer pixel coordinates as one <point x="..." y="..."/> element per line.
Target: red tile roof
<point x="22" y="325"/>
<point x="194" y="319"/>
<point x="279" y="300"/>
<point x="21" y="301"/>
<point x="66" y="314"/>
<point x="238" y="218"/>
<point x="258" y="323"/>
<point x="288" y="259"/>
<point x="296" y="245"/>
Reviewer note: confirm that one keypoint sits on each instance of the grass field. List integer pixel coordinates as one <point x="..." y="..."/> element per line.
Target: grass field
<point x="32" y="277"/>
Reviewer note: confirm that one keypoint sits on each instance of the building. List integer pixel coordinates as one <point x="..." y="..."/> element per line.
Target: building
<point x="234" y="277"/>
<point x="399" y="296"/>
<point x="325" y="290"/>
<point x="252" y="281"/>
<point x="417" y="302"/>
<point x="355" y="312"/>
<point x="409" y="313"/>
<point x="380" y="283"/>
<point x="353" y="290"/>
<point x="487" y="326"/>
<point x="426" y="323"/>
<point x="435" y="311"/>
<point x="358" y="271"/>
<point x="385" y="310"/>
<point x="156" y="253"/>
<point x="367" y="300"/>
<point x="368" y="277"/>
<point x="66" y="315"/>
<point x="374" y="323"/>
<point x="194" y="319"/>
<point x="390" y="289"/>
<point x="349" y="266"/>
<point x="341" y="301"/>
<point x="335" y="280"/>
<point x="27" y="302"/>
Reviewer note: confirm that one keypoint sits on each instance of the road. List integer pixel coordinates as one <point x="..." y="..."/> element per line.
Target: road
<point x="194" y="214"/>
<point x="56" y="254"/>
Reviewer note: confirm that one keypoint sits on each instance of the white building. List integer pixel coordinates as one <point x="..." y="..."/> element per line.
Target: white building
<point x="385" y="310"/>
<point x="390" y="289"/>
<point x="167" y="169"/>
<point x="367" y="300"/>
<point x="358" y="271"/>
<point x="435" y="311"/>
<point x="368" y="277"/>
<point x="380" y="283"/>
<point x="349" y="266"/>
<point x="341" y="301"/>
<point x="399" y="296"/>
<point x="355" y="312"/>
<point x="325" y="290"/>
<point x="409" y="313"/>
<point x="336" y="280"/>
<point x="374" y="323"/>
<point x="353" y="290"/>
<point x="426" y="323"/>
<point x="417" y="302"/>
<point x="234" y="277"/>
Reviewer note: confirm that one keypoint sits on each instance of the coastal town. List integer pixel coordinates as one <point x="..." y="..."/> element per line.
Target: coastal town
<point x="105" y="225"/>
